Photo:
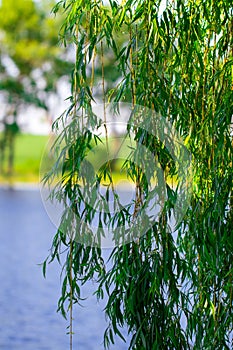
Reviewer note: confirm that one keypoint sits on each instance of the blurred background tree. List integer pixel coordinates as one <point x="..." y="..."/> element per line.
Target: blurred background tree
<point x="32" y="63"/>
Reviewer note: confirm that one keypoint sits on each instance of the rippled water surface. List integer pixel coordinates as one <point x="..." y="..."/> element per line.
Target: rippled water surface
<point x="28" y="302"/>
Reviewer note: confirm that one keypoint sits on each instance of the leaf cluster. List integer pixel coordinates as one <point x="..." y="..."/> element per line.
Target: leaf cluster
<point x="171" y="290"/>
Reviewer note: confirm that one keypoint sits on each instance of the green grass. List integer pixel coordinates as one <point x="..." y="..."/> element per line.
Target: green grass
<point x="28" y="152"/>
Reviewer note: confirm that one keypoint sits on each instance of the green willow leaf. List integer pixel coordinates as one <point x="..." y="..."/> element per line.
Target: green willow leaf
<point x="171" y="289"/>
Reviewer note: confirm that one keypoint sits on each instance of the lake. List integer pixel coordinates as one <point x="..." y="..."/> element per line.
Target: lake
<point x="28" y="302"/>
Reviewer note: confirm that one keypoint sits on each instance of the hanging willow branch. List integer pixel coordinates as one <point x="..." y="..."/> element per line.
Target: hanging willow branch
<point x="177" y="62"/>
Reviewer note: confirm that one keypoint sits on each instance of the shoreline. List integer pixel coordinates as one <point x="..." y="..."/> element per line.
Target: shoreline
<point x="20" y="186"/>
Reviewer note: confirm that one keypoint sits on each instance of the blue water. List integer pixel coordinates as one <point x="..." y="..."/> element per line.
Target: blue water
<point x="28" y="302"/>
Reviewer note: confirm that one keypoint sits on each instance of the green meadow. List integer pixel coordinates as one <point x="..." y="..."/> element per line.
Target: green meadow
<point x="29" y="150"/>
<point x="28" y="153"/>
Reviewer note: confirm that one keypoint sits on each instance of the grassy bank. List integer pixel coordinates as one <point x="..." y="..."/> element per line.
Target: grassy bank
<point x="28" y="152"/>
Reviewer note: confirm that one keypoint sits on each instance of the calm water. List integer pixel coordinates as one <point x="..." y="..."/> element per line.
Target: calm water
<point x="28" y="302"/>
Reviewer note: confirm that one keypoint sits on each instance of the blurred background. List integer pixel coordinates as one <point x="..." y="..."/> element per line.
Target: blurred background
<point x="34" y="82"/>
<point x="35" y="72"/>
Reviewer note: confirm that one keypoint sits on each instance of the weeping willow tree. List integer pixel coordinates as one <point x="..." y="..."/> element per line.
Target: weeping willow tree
<point x="171" y="290"/>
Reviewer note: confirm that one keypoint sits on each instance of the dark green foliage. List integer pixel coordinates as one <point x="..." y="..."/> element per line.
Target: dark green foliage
<point x="171" y="291"/>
